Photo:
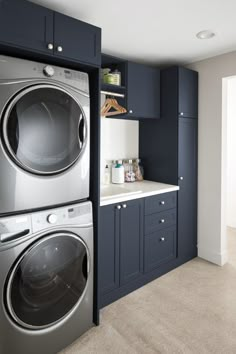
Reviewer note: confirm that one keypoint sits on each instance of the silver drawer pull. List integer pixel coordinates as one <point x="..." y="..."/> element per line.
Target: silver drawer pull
<point x="162" y="202"/>
<point x="124" y="206"/>
<point x="118" y="207"/>
<point x="162" y="239"/>
<point x="162" y="221"/>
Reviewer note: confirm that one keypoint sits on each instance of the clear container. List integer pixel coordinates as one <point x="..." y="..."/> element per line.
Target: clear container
<point x="138" y="170"/>
<point x="107" y="175"/>
<point x="129" y="174"/>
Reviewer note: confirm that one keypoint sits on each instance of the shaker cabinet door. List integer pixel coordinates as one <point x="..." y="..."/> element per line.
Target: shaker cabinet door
<point x="77" y="40"/>
<point x="188" y="93"/>
<point x="108" y="259"/>
<point x="26" y="25"/>
<point x="131" y="241"/>
<point x="143" y="91"/>
<point x="187" y="195"/>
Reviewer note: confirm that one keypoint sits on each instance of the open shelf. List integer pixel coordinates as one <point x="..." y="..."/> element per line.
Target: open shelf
<point x="113" y="88"/>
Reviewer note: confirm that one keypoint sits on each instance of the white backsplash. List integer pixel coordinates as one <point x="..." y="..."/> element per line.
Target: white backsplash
<point x="119" y="140"/>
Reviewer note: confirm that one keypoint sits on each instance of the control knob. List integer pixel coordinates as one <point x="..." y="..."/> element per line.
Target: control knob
<point x="48" y="71"/>
<point x="52" y="218"/>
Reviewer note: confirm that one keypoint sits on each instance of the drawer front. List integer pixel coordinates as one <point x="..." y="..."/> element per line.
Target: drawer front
<point x="159" y="221"/>
<point x="159" y="248"/>
<point x="160" y="202"/>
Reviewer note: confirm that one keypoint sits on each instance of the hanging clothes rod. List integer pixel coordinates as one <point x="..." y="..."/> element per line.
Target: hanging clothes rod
<point x="113" y="94"/>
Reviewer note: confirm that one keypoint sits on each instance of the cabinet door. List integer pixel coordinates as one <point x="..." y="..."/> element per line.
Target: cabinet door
<point x="131" y="241"/>
<point x="77" y="40"/>
<point x="108" y="249"/>
<point x="188" y="93"/>
<point x="143" y="91"/>
<point x="26" y="25"/>
<point x="187" y="195"/>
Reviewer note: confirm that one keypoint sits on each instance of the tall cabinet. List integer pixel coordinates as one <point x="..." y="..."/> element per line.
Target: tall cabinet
<point x="170" y="156"/>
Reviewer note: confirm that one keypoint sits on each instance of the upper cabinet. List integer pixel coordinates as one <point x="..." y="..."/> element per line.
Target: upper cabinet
<point x="143" y="91"/>
<point x="188" y="93"/>
<point x="25" y="25"/>
<point x="140" y="85"/>
<point x="77" y="40"/>
<point x="31" y="27"/>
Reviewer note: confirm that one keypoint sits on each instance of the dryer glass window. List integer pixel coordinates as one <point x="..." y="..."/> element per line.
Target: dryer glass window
<point x="48" y="281"/>
<point x="45" y="130"/>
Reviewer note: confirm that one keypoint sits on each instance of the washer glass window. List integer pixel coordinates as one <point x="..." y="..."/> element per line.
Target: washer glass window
<point x="44" y="129"/>
<point x="48" y="281"/>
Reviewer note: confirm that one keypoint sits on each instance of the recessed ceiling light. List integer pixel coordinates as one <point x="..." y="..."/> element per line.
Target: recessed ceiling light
<point x="206" y="34"/>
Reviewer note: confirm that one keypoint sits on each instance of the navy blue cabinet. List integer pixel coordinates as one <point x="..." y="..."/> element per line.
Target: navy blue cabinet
<point x="143" y="91"/>
<point x="77" y="40"/>
<point x="131" y="241"/>
<point x="109" y="249"/>
<point x="187" y="196"/>
<point x="120" y="258"/>
<point x="168" y="149"/>
<point x="188" y="92"/>
<point x="30" y="27"/>
<point x="25" y="25"/>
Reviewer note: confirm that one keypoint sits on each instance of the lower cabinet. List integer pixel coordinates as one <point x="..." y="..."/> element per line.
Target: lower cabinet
<point x="137" y="243"/>
<point x="120" y="245"/>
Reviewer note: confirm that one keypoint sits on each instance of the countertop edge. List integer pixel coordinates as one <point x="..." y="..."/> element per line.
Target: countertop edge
<point x="138" y="196"/>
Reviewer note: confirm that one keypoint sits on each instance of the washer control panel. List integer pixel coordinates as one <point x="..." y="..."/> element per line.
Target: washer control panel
<point x="78" y="214"/>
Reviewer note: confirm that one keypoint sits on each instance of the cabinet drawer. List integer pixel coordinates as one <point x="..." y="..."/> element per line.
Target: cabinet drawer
<point x="159" y="221"/>
<point x="160" y="202"/>
<point x="159" y="248"/>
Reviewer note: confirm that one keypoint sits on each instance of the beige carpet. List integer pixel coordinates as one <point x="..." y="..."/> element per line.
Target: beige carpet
<point x="189" y="310"/>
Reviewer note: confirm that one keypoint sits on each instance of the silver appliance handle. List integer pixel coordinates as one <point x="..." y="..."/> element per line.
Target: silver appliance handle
<point x="11" y="236"/>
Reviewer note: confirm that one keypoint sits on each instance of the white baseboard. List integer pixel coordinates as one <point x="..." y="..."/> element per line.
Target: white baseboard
<point x="213" y="257"/>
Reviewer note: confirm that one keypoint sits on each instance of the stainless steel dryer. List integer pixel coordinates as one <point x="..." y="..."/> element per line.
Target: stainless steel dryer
<point x="46" y="279"/>
<point x="45" y="137"/>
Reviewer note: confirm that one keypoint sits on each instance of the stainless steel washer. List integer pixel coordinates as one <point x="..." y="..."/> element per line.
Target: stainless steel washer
<point x="45" y="135"/>
<point x="46" y="279"/>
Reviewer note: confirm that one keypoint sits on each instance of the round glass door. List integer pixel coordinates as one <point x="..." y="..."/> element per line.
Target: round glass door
<point x="44" y="129"/>
<point x="48" y="281"/>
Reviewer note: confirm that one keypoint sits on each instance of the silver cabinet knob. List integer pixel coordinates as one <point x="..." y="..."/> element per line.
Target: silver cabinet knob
<point x="162" y="239"/>
<point x="181" y="178"/>
<point x="52" y="218"/>
<point x="124" y="206"/>
<point x="50" y="46"/>
<point x="162" y="221"/>
<point x="59" y="49"/>
<point x="131" y="111"/>
<point x="162" y="202"/>
<point x="118" y="207"/>
<point x="181" y="113"/>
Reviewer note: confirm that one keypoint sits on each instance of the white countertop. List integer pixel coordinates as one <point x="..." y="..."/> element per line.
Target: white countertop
<point x="116" y="193"/>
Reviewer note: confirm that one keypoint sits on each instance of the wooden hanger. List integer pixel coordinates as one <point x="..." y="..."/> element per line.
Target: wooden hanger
<point x="111" y="103"/>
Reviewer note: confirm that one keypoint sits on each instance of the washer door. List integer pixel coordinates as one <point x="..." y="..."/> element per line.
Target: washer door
<point x="44" y="129"/>
<point x="48" y="281"/>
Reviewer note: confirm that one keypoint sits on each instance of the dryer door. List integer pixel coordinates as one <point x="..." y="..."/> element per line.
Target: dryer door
<point x="44" y="129"/>
<point x="48" y="281"/>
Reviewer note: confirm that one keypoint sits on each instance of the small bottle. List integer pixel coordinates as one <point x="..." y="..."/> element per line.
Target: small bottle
<point x="138" y="170"/>
<point x="107" y="175"/>
<point x="118" y="173"/>
<point x="130" y="175"/>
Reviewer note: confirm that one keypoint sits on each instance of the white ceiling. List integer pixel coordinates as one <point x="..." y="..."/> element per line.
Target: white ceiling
<point x="157" y="31"/>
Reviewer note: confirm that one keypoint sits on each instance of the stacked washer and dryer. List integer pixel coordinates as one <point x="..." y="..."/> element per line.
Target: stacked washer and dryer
<point x="46" y="224"/>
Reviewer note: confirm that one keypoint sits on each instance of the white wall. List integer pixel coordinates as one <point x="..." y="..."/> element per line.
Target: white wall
<point x="212" y="244"/>
<point x="119" y="140"/>
<point x="231" y="151"/>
